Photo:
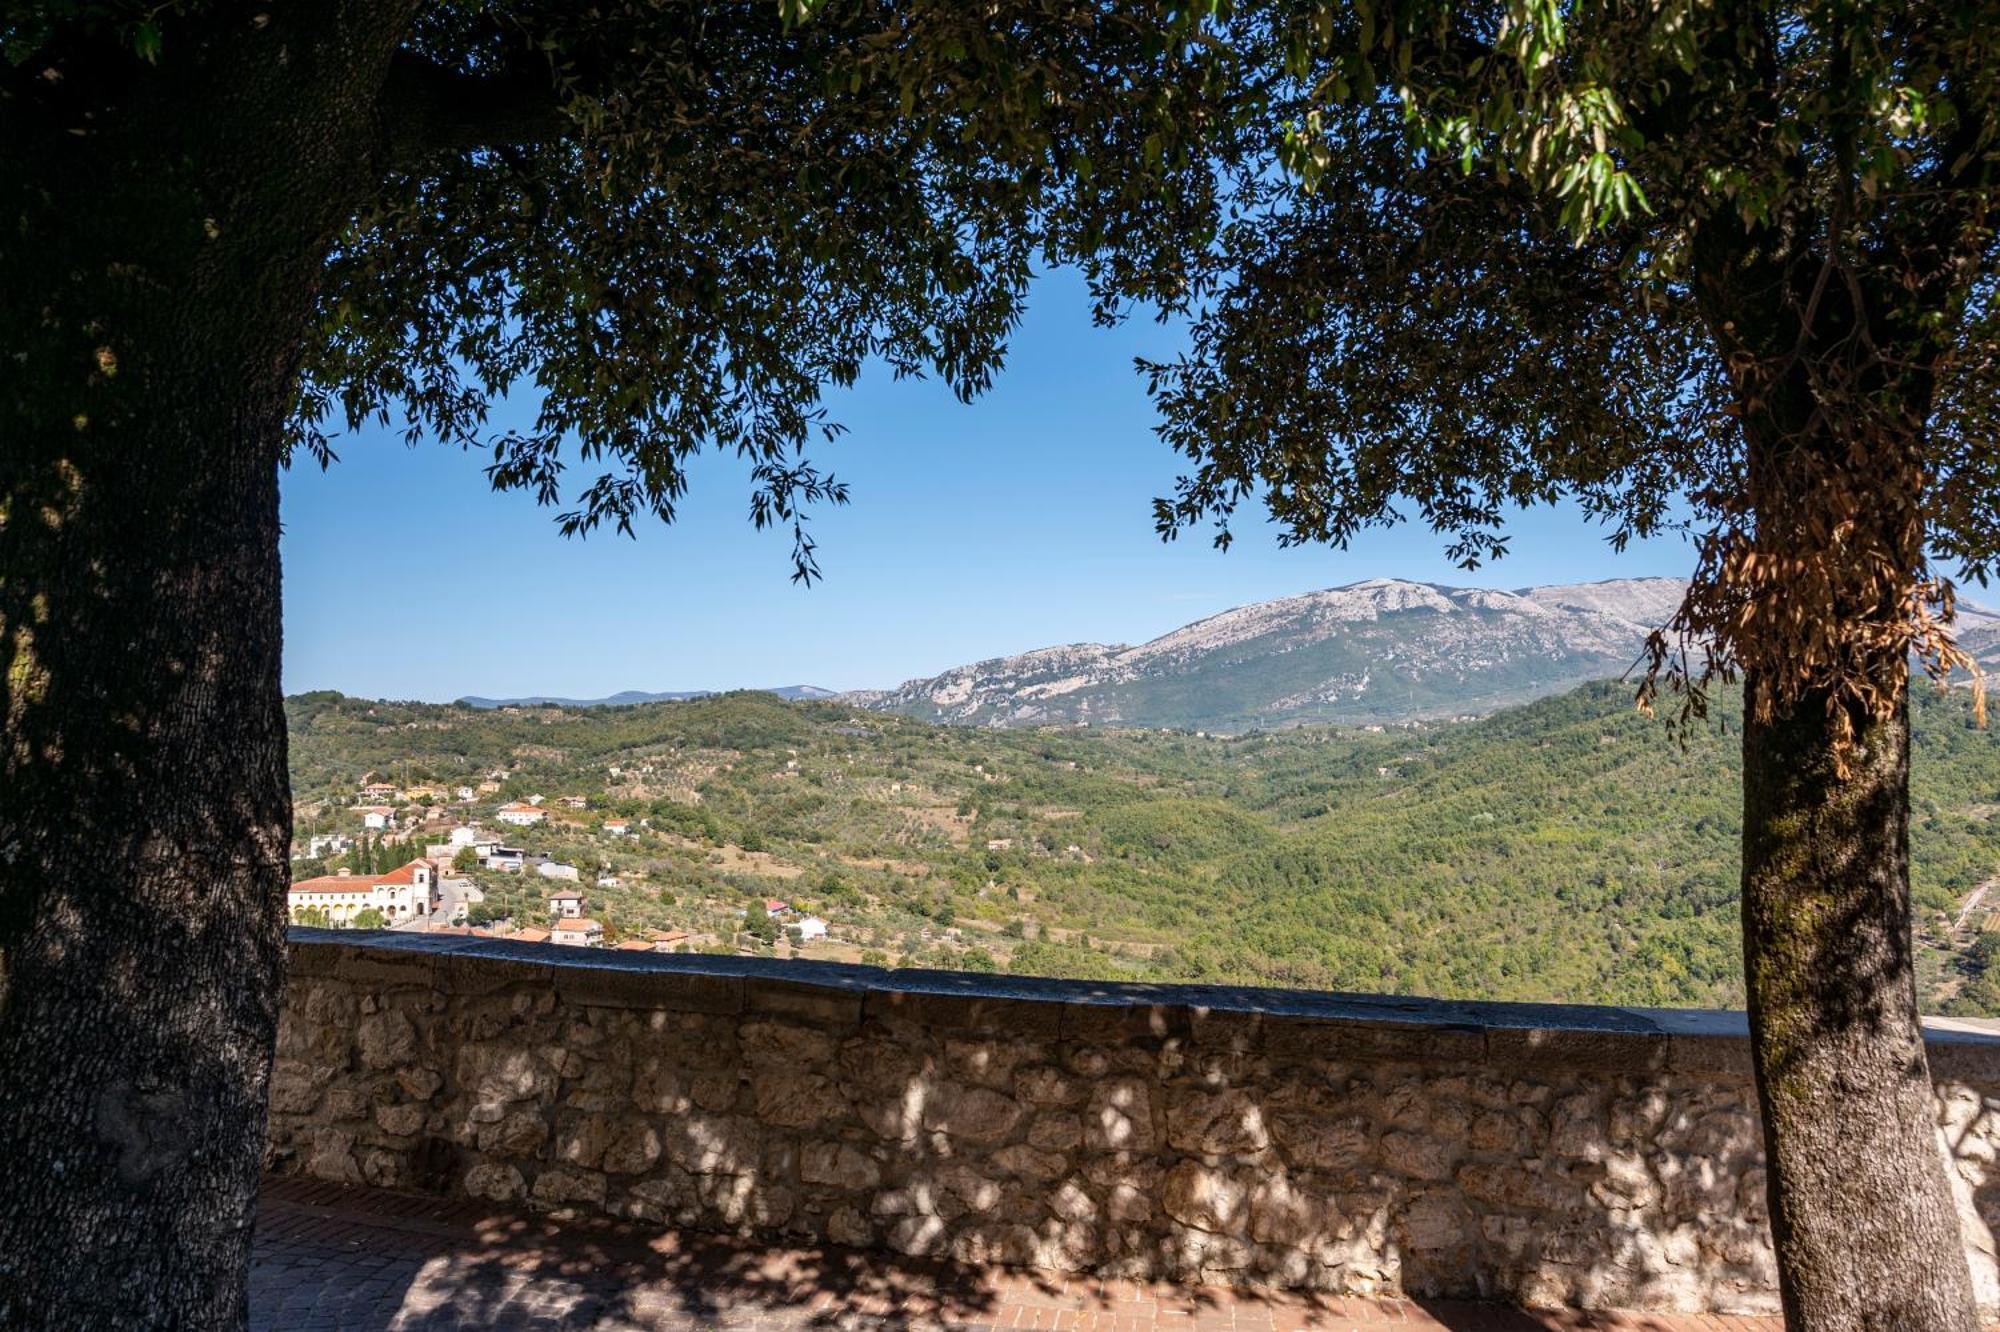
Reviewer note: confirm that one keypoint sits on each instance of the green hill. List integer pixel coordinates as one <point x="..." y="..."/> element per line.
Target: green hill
<point x="1569" y="849"/>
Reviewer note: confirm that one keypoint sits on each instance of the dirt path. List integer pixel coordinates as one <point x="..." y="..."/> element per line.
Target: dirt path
<point x="1972" y="902"/>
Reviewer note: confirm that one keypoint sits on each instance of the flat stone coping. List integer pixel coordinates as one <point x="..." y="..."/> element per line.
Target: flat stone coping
<point x="1277" y="1023"/>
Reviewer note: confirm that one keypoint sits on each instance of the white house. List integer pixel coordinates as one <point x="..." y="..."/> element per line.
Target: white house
<point x="463" y="836"/>
<point x="520" y="815"/>
<point x="555" y="869"/>
<point x="377" y="816"/>
<point x="340" y="896"/>
<point x="567" y="906"/>
<point x="810" y="928"/>
<point x="409" y="891"/>
<point x="576" y="801"/>
<point x="617" y="827"/>
<point x="577" y="932"/>
<point x="401" y="894"/>
<point x="507" y="859"/>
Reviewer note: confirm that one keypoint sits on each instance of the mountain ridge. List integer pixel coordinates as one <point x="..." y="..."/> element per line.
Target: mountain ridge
<point x="1380" y="651"/>
<point x="1376" y="652"/>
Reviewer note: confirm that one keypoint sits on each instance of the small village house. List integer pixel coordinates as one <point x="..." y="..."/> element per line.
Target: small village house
<point x="520" y="815"/>
<point x="576" y="932"/>
<point x="506" y="859"/>
<point x="566" y="905"/>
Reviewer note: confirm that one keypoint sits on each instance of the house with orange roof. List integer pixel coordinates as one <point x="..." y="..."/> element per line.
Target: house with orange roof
<point x="409" y="892"/>
<point x="576" y="932"/>
<point x="521" y="815"/>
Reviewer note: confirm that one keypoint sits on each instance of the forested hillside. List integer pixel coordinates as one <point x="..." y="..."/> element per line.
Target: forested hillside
<point x="1566" y="850"/>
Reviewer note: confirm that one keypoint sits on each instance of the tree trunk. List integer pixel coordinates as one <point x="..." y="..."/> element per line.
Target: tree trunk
<point x="164" y="228"/>
<point x="1867" y="1234"/>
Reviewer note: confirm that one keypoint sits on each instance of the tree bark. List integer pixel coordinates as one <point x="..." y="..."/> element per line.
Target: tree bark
<point x="164" y="228"/>
<point x="1866" y="1231"/>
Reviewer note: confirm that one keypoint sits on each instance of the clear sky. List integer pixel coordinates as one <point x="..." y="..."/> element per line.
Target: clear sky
<point x="974" y="531"/>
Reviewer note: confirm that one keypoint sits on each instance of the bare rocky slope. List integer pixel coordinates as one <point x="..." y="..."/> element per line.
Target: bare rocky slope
<point x="1381" y="651"/>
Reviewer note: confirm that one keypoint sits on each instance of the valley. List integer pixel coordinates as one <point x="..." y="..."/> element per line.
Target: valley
<point x="1567" y="849"/>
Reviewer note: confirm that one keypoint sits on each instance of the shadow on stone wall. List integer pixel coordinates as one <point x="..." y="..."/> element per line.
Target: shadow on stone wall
<point x="1603" y="1158"/>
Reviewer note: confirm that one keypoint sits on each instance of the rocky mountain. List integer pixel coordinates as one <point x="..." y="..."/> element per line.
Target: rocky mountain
<point x="1380" y="651"/>
<point x="794" y="693"/>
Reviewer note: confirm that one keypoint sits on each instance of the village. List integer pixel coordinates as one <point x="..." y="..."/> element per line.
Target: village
<point x="449" y="887"/>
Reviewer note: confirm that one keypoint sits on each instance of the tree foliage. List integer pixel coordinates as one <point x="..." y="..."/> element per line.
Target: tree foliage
<point x="720" y="213"/>
<point x="1719" y="265"/>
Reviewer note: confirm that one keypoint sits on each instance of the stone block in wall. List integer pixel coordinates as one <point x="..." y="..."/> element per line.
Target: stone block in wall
<point x="1224" y="1123"/>
<point x="975" y="1114"/>
<point x="790" y="1098"/>
<point x="838" y="1165"/>
<point x="1119" y="1116"/>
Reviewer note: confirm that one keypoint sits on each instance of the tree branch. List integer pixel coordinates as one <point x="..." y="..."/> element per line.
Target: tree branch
<point x="429" y="111"/>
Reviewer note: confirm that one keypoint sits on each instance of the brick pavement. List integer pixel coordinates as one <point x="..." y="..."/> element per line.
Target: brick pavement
<point x="335" y="1259"/>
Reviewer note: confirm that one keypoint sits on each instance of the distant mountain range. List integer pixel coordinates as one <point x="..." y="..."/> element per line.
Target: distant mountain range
<point x="1383" y="651"/>
<point x="1380" y="651"/>
<point x="630" y="696"/>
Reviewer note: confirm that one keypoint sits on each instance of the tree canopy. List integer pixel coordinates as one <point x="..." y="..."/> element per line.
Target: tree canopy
<point x="678" y="224"/>
<point x="1501" y="253"/>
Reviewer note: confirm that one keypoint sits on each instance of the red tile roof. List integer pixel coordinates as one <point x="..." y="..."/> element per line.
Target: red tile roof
<point x="406" y="874"/>
<point x="334" y="883"/>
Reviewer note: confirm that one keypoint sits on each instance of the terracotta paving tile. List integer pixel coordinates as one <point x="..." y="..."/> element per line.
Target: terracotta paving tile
<point x="330" y="1258"/>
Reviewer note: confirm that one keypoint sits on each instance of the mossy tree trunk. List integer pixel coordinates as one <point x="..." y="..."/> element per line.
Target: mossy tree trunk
<point x="163" y="231"/>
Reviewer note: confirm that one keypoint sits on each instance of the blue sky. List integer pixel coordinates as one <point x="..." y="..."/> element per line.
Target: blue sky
<point x="1016" y="522"/>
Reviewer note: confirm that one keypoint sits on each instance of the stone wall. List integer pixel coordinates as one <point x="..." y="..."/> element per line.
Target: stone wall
<point x="1592" y="1156"/>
